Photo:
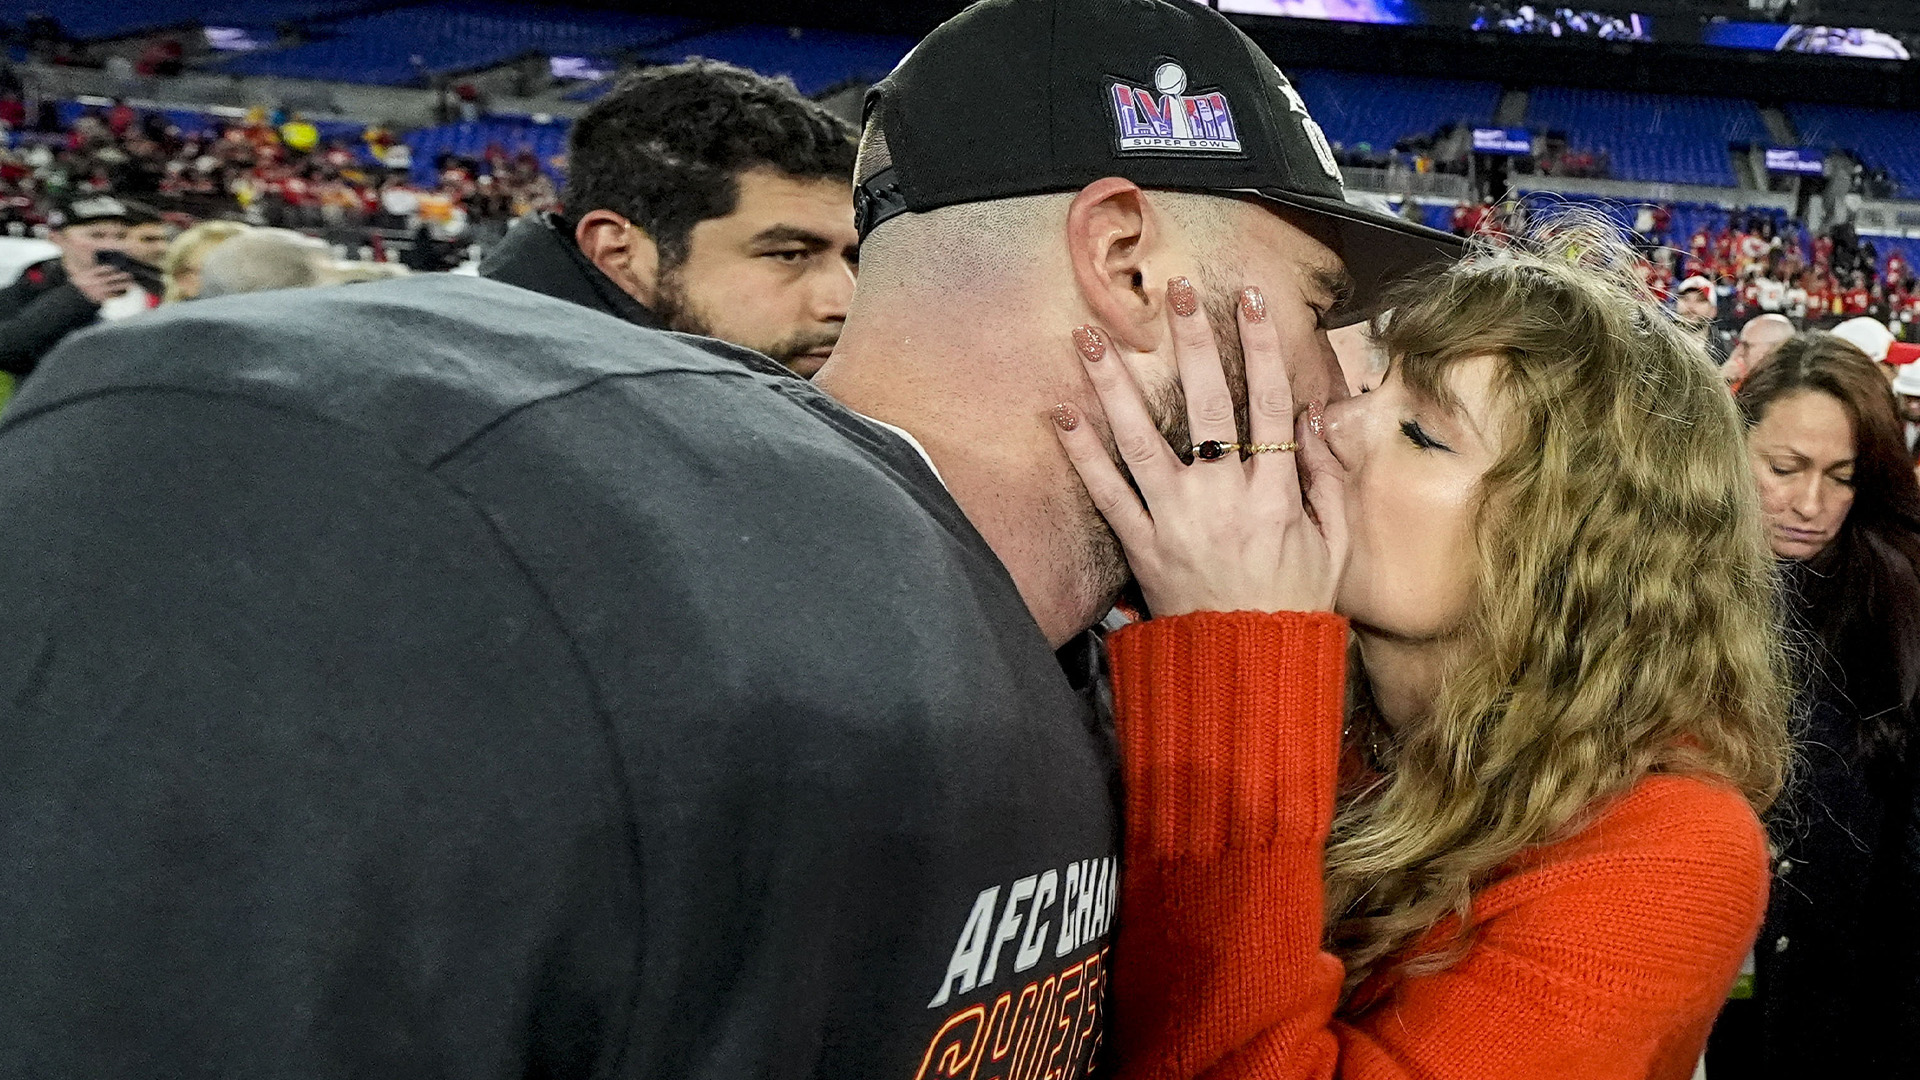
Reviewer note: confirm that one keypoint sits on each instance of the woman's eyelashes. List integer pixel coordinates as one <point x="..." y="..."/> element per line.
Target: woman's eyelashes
<point x="1418" y="436"/>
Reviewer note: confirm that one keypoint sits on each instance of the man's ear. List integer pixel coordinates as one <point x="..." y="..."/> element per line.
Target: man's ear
<point x="622" y="250"/>
<point x="1113" y="233"/>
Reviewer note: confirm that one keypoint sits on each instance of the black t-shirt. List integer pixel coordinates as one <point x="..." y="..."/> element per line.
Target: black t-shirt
<point x="433" y="678"/>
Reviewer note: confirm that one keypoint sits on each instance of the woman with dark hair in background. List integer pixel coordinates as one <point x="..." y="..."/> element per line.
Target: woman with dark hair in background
<point x="1843" y="515"/>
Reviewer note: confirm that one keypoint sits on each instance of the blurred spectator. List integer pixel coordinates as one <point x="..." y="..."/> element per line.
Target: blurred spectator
<point x="121" y="118"/>
<point x="142" y="250"/>
<point x="1871" y="337"/>
<point x="704" y="198"/>
<point x="165" y="57"/>
<point x="180" y="268"/>
<point x="148" y="235"/>
<point x="299" y="134"/>
<point x="1758" y="339"/>
<point x="429" y="252"/>
<point x="1906" y="389"/>
<point x="471" y="105"/>
<point x="263" y="259"/>
<point x="1834" y="962"/>
<point x="54" y="298"/>
<point x="1697" y="307"/>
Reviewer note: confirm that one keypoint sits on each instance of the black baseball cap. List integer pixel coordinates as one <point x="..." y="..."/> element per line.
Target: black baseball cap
<point x="1026" y="97"/>
<point x="87" y="209"/>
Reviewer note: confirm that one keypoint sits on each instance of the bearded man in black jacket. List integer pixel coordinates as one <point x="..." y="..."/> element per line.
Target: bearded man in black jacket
<point x="703" y="198"/>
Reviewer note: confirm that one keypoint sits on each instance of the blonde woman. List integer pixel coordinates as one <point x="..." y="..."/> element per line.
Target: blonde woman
<point x="1528" y="846"/>
<point x="181" y="266"/>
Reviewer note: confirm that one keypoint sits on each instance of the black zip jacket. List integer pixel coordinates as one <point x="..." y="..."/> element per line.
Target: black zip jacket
<point x="36" y="311"/>
<point x="539" y="253"/>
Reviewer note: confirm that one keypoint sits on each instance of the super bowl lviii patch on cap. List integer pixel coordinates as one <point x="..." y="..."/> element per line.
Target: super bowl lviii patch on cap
<point x="1166" y="119"/>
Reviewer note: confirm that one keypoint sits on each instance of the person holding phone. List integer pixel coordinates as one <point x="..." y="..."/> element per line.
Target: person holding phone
<point x="54" y="298"/>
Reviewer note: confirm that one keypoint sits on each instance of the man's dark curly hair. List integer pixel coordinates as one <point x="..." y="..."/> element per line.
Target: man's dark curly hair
<point x="666" y="147"/>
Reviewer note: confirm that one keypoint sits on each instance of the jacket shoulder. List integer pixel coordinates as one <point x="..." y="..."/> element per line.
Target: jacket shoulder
<point x="421" y="362"/>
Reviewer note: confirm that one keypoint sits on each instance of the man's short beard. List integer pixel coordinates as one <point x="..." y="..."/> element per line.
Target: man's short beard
<point x="1103" y="564"/>
<point x="1167" y="402"/>
<point x="674" y="308"/>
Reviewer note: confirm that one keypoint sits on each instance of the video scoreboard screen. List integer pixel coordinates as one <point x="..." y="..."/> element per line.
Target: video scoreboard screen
<point x="1394" y="12"/>
<point x="1614" y="24"/>
<point x="1855" y="41"/>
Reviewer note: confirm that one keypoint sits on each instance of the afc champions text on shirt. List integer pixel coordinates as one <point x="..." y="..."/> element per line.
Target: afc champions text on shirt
<point x="1048" y="1028"/>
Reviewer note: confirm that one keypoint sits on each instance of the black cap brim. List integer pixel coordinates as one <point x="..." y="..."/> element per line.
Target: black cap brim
<point x="1379" y="250"/>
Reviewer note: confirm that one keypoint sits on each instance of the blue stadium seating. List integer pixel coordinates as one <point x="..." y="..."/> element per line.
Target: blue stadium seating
<point x="816" y="60"/>
<point x="1437" y="217"/>
<point x="1685" y="216"/>
<point x="1382" y="109"/>
<point x="1881" y="138"/>
<point x="1655" y="137"/>
<point x="87" y="19"/>
<point x="406" y="46"/>
<point x="512" y="134"/>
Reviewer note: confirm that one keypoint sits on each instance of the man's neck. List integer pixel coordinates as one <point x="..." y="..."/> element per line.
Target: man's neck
<point x="989" y="439"/>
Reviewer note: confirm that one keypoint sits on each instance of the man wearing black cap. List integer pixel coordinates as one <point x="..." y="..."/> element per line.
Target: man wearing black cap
<point x="1165" y="146"/>
<point x="54" y="298"/>
<point x="436" y="678"/>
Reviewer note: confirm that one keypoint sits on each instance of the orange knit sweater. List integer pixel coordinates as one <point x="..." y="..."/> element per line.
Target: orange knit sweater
<point x="1604" y="956"/>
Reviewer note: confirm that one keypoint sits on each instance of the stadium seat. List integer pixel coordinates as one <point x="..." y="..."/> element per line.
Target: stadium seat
<point x="1380" y="110"/>
<point x="1879" y="138"/>
<point x="1655" y="137"/>
<point x="512" y="134"/>
<point x="90" y="19"/>
<point x="816" y="60"/>
<point x="410" y="45"/>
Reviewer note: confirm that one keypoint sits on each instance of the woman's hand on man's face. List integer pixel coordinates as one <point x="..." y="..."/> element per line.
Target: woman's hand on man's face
<point x="1227" y="532"/>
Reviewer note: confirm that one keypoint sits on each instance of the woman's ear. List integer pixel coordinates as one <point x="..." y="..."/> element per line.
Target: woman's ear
<point x="622" y="251"/>
<point x="1116" y="243"/>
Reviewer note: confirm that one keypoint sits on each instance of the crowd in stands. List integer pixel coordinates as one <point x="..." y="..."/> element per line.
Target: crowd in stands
<point x="1761" y="267"/>
<point x="269" y="169"/>
<point x="1758" y="262"/>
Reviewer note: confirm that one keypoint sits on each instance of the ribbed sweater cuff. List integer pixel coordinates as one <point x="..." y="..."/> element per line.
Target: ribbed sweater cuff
<point x="1229" y="727"/>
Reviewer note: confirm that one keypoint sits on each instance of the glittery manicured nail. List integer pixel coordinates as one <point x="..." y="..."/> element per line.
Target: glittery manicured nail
<point x="1090" y="341"/>
<point x="1253" y="304"/>
<point x="1180" y="297"/>
<point x="1064" y="417"/>
<point x="1316" y="423"/>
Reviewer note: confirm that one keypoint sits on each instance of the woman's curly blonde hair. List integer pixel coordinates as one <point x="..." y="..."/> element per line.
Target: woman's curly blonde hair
<point x="1624" y="620"/>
